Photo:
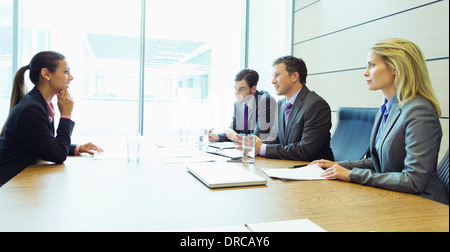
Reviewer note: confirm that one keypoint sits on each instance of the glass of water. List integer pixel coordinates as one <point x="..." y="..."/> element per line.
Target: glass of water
<point x="248" y="149"/>
<point x="133" y="148"/>
<point x="203" y="140"/>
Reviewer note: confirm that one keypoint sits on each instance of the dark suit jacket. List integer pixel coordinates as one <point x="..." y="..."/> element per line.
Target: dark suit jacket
<point x="261" y="124"/>
<point x="307" y="135"/>
<point x="29" y="136"/>
<point x="409" y="149"/>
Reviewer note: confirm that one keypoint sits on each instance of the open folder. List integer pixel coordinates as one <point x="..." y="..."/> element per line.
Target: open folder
<point x="219" y="175"/>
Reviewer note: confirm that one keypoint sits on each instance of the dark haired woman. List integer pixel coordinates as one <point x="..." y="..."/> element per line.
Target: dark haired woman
<point x="29" y="133"/>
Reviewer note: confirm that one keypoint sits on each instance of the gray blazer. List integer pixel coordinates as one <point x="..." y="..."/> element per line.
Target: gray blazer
<point x="408" y="155"/>
<point x="307" y="133"/>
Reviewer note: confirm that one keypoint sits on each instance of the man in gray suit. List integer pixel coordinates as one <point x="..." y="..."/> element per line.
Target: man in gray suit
<point x="304" y="118"/>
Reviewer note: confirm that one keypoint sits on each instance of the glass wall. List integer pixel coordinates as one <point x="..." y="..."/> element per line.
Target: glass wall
<point x="192" y="52"/>
<point x="6" y="19"/>
<point x="100" y="40"/>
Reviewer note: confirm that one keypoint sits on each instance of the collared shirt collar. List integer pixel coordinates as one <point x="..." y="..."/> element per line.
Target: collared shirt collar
<point x="294" y="97"/>
<point x="388" y="104"/>
<point x="251" y="102"/>
<point x="50" y="110"/>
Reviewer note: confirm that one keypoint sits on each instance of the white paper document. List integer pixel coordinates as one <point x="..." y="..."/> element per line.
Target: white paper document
<point x="110" y="155"/>
<point x="175" y="144"/>
<point x="222" y="145"/>
<point x="235" y="228"/>
<point x="301" y="225"/>
<point x="310" y="172"/>
<point x="230" y="153"/>
<point x="184" y="155"/>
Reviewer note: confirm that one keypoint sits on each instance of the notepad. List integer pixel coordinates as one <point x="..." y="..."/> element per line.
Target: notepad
<point x="310" y="172"/>
<point x="220" y="175"/>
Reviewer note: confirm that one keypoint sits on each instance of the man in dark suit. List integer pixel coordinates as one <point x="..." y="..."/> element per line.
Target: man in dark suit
<point x="304" y="118"/>
<point x="254" y="110"/>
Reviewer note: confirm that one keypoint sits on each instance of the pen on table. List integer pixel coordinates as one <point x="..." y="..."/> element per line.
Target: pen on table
<point x="297" y="166"/>
<point x="235" y="160"/>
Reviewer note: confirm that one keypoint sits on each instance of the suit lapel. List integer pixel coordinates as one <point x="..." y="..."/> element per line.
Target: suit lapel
<point x="38" y="96"/>
<point x="281" y="130"/>
<point x="394" y="114"/>
<point x="375" y="130"/>
<point x="373" y="137"/>
<point x="53" y="126"/>
<point x="41" y="100"/>
<point x="295" y="110"/>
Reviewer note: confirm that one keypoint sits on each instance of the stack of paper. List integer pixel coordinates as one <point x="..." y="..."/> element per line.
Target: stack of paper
<point x="310" y="172"/>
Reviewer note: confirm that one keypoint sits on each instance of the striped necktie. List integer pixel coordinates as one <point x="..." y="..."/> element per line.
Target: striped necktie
<point x="246" y="119"/>
<point x="287" y="111"/>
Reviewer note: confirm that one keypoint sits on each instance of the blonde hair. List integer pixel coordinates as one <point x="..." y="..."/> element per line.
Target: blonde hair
<point x="412" y="77"/>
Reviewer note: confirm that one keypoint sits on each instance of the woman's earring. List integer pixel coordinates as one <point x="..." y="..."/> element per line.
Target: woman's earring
<point x="48" y="79"/>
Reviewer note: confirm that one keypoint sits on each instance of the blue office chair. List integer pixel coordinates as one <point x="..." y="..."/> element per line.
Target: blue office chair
<point x="443" y="170"/>
<point x="351" y="139"/>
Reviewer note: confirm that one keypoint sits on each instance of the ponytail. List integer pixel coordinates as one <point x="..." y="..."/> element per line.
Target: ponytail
<point x="19" y="90"/>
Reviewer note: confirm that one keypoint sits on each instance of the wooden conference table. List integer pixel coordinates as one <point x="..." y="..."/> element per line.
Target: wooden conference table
<point x="85" y="194"/>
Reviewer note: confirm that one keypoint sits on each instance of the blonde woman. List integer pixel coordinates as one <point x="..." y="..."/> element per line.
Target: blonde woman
<point x="407" y="133"/>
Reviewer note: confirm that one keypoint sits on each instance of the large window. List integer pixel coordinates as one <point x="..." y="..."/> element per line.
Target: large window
<point x="192" y="56"/>
<point x="192" y="52"/>
<point x="6" y="19"/>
